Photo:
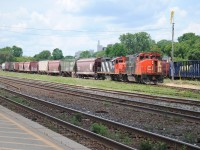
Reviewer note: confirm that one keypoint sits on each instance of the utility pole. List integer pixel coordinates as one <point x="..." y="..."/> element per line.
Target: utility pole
<point x="172" y="22"/>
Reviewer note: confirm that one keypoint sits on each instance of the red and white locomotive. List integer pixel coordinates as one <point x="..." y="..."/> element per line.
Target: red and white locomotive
<point x="142" y="68"/>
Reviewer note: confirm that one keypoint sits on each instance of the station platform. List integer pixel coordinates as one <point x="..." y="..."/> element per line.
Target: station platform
<point x="20" y="133"/>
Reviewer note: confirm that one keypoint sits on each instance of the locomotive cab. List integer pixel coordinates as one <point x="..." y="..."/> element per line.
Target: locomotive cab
<point x="148" y="67"/>
<point x="120" y="65"/>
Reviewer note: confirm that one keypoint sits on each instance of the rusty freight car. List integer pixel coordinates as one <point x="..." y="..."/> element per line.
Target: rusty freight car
<point x="16" y="67"/>
<point x="88" y="67"/>
<point x="21" y="66"/>
<point x="54" y="67"/>
<point x="34" y="66"/>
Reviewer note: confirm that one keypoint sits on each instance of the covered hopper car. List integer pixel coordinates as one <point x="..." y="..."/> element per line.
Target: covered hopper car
<point x="68" y="67"/>
<point x="43" y="67"/>
<point x="16" y="67"/>
<point x="88" y="67"/>
<point x="54" y="67"/>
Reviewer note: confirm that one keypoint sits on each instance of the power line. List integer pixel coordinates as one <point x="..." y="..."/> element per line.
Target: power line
<point x="87" y="31"/>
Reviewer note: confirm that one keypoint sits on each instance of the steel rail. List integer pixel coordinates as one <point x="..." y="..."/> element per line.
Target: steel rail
<point x="101" y="139"/>
<point x="170" y="141"/>
<point x="187" y="114"/>
<point x="124" y="93"/>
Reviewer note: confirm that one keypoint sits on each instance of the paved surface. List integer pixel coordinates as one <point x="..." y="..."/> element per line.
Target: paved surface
<point x="19" y="133"/>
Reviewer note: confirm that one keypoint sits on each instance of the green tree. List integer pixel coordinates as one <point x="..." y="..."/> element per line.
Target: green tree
<point x="155" y="48"/>
<point x="57" y="54"/>
<point x="44" y="55"/>
<point x="85" y="54"/>
<point x="24" y="59"/>
<point x="6" y="54"/>
<point x="189" y="46"/>
<point x="187" y="37"/>
<point x="162" y="45"/>
<point x="99" y="54"/>
<point x="17" y="51"/>
<point x="194" y="54"/>
<point x="116" y="50"/>
<point x="128" y="40"/>
<point x="69" y="57"/>
<point x="136" y="43"/>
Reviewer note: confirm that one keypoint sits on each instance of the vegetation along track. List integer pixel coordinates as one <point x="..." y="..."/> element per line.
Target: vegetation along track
<point x="133" y="137"/>
<point x="116" y="97"/>
<point x="179" y="88"/>
<point x="140" y="117"/>
<point x="121" y="93"/>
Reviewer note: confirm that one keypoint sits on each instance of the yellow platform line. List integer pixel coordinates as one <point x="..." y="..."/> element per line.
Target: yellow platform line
<point x="14" y="132"/>
<point x="32" y="133"/>
<point x="2" y="120"/>
<point x="19" y="138"/>
<point x="7" y="128"/>
<point x="4" y="148"/>
<point x="6" y="123"/>
<point x="18" y="143"/>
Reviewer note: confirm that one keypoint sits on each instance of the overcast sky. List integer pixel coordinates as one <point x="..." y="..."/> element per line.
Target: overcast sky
<point x="74" y="25"/>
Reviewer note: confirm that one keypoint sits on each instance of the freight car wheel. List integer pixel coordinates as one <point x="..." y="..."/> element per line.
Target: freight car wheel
<point x="63" y="74"/>
<point x="146" y="81"/>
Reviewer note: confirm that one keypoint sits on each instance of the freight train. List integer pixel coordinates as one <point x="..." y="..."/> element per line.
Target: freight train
<point x="182" y="69"/>
<point x="142" y="68"/>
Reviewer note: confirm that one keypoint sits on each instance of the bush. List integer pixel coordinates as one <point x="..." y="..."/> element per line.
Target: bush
<point x="76" y="119"/>
<point x="99" y="129"/>
<point x="149" y="145"/>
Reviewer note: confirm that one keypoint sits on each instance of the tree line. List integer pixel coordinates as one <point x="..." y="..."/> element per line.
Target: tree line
<point x="15" y="54"/>
<point x="186" y="48"/>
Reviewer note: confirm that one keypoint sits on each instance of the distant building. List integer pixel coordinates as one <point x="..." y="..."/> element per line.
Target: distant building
<point x="99" y="47"/>
<point x="77" y="54"/>
<point x="104" y="48"/>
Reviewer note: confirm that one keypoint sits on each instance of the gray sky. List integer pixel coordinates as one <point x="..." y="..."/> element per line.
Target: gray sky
<point x="73" y="25"/>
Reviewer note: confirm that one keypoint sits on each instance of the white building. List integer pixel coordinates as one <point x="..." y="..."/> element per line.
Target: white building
<point x="99" y="47"/>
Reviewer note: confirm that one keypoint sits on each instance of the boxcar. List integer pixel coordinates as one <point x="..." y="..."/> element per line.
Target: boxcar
<point x="54" y="67"/>
<point x="3" y="66"/>
<point x="27" y="67"/>
<point x="34" y="66"/>
<point x="88" y="67"/>
<point x="43" y="66"/>
<point x="68" y="67"/>
<point x="21" y="66"/>
<point x="186" y="69"/>
<point x="16" y="66"/>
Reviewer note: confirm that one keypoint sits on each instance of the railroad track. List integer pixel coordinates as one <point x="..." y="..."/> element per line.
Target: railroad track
<point x="122" y="93"/>
<point x="138" y="135"/>
<point x="74" y="90"/>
